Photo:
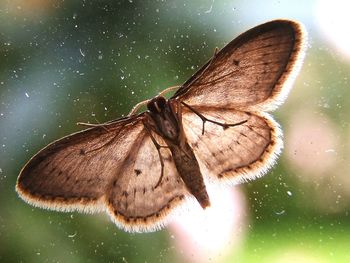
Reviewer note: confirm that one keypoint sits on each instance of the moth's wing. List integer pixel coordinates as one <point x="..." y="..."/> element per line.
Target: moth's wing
<point x="134" y="201"/>
<point x="113" y="168"/>
<point x="72" y="173"/>
<point x="235" y="154"/>
<point x="255" y="70"/>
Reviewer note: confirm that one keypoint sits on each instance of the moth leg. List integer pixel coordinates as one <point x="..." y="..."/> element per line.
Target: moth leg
<point x="204" y="119"/>
<point x="137" y="107"/>
<point x="169" y="89"/>
<point x="216" y="50"/>
<point x="158" y="147"/>
<point x="93" y="125"/>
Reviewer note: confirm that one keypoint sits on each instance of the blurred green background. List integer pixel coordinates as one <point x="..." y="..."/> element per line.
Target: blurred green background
<point x="67" y="61"/>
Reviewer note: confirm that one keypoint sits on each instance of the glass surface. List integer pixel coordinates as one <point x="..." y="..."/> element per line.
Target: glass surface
<point x="67" y="61"/>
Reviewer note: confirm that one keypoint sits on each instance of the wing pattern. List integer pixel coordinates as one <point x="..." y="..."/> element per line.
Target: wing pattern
<point x="254" y="70"/>
<point x="233" y="154"/>
<point x="133" y="200"/>
<point x="52" y="178"/>
<point x="115" y="168"/>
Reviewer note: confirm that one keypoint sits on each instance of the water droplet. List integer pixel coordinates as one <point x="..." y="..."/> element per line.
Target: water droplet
<point x="73" y="235"/>
<point x="81" y="52"/>
<point x="280" y="212"/>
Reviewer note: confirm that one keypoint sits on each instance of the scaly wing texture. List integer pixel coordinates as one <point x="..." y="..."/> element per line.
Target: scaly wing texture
<point x="72" y="173"/>
<point x="133" y="200"/>
<point x="114" y="168"/>
<point x="235" y="154"/>
<point x="255" y="70"/>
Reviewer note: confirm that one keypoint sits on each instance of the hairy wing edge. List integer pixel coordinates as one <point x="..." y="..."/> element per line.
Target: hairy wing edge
<point x="256" y="169"/>
<point x="85" y="205"/>
<point x="287" y="79"/>
<point x="261" y="166"/>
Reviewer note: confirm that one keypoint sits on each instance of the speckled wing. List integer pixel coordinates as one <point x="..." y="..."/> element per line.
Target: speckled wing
<point x="254" y="71"/>
<point x="72" y="173"/>
<point x="134" y="201"/>
<point x="234" y="154"/>
<point x="113" y="168"/>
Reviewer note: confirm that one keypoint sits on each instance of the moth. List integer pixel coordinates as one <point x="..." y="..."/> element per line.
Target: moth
<point x="215" y="129"/>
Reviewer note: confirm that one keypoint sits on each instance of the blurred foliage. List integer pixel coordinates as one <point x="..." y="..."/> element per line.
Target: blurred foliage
<point x="91" y="61"/>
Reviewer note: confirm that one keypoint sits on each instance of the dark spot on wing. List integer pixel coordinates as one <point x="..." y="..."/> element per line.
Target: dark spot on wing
<point x="194" y="145"/>
<point x="242" y="134"/>
<point x="82" y="152"/>
<point x="52" y="169"/>
<point x="138" y="172"/>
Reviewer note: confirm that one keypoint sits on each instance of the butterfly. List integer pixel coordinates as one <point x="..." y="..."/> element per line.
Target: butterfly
<point x="215" y="129"/>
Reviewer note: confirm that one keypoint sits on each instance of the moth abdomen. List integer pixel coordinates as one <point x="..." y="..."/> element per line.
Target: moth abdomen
<point x="188" y="169"/>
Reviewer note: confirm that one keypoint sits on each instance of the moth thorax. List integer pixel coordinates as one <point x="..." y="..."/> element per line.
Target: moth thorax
<point x="170" y="129"/>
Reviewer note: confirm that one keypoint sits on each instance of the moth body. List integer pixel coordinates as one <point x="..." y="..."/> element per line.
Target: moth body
<point x="166" y="115"/>
<point x="188" y="168"/>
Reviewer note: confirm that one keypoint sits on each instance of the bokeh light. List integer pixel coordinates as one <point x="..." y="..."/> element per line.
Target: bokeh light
<point x="211" y="234"/>
<point x="332" y="19"/>
<point x="312" y="145"/>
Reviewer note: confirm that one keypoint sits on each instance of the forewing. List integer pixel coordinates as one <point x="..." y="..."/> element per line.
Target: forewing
<point x="72" y="173"/>
<point x="235" y="154"/>
<point x="135" y="201"/>
<point x="254" y="70"/>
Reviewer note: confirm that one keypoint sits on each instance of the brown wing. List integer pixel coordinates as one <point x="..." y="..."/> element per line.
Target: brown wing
<point x="133" y="201"/>
<point x="113" y="168"/>
<point x="235" y="154"/>
<point x="72" y="173"/>
<point x="256" y="69"/>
